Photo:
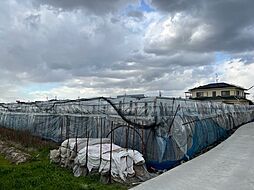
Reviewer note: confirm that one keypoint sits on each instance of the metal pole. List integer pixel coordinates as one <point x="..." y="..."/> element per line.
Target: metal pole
<point x="111" y="146"/>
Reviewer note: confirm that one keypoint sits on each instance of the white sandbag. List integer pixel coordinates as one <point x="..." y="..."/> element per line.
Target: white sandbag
<point x="54" y="156"/>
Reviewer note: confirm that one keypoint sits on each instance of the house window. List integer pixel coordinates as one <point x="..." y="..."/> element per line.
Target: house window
<point x="238" y="93"/>
<point x="225" y="93"/>
<point x="200" y="94"/>
<point x="214" y="93"/>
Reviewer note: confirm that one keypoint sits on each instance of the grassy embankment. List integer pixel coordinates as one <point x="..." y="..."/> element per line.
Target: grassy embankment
<point x="39" y="173"/>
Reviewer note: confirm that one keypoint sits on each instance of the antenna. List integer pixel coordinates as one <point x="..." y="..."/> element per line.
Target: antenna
<point x="216" y="77"/>
<point x="250" y="87"/>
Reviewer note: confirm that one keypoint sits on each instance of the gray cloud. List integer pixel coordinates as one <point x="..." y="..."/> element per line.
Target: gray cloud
<point x="65" y="48"/>
<point x="174" y="6"/>
<point x="111" y="46"/>
<point x="136" y="14"/>
<point x="226" y="26"/>
<point x="95" y="6"/>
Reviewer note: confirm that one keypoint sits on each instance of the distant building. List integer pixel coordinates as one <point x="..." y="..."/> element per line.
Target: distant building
<point x="220" y="92"/>
<point x="137" y="96"/>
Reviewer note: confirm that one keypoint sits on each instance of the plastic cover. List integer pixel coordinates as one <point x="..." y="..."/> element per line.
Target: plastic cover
<point x="164" y="130"/>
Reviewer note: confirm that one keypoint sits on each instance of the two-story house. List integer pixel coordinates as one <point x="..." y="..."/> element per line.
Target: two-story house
<point x="220" y="92"/>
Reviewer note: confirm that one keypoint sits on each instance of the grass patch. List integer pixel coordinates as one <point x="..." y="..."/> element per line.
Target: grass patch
<point x="3" y="162"/>
<point x="40" y="174"/>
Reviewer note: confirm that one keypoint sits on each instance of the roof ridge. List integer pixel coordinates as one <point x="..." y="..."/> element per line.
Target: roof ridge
<point x="218" y="85"/>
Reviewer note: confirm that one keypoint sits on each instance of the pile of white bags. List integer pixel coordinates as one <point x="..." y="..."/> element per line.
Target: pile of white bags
<point x="80" y="156"/>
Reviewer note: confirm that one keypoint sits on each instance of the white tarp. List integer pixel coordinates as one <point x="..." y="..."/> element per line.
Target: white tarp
<point x="98" y="157"/>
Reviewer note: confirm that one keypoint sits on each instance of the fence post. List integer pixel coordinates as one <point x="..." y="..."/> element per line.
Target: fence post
<point x="111" y="145"/>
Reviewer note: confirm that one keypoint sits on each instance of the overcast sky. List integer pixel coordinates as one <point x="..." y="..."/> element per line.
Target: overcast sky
<point x="87" y="48"/>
